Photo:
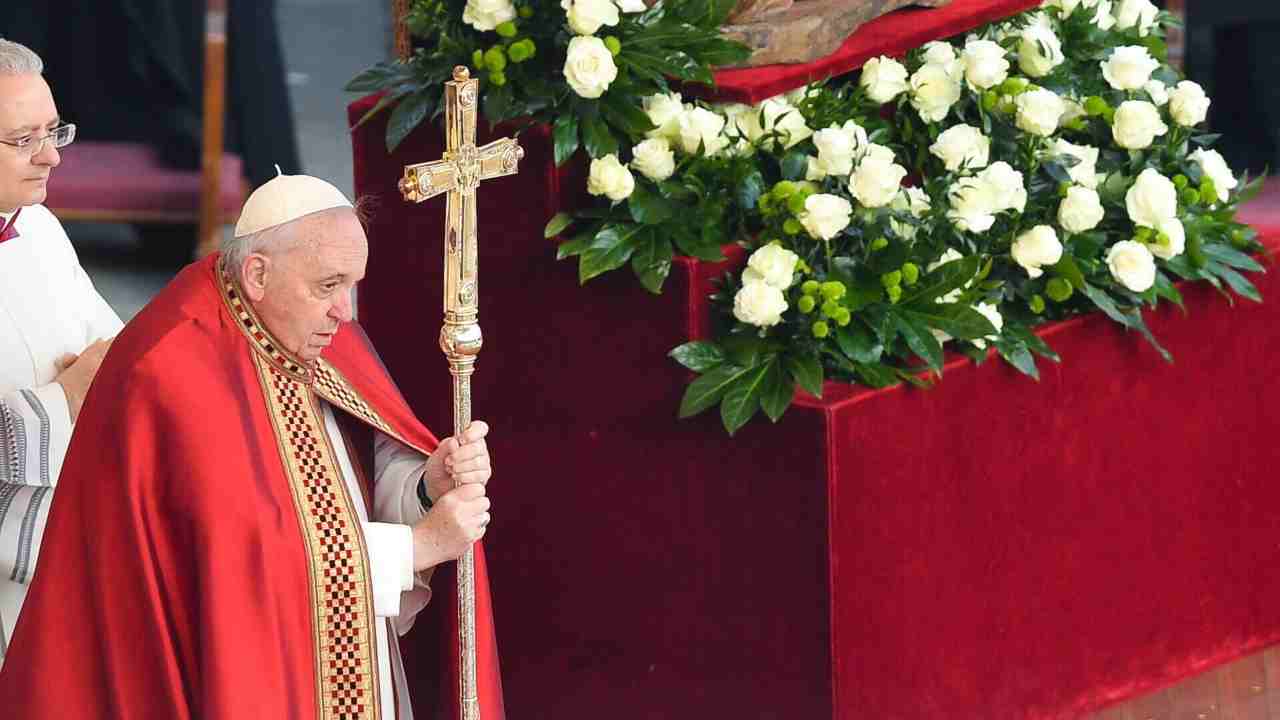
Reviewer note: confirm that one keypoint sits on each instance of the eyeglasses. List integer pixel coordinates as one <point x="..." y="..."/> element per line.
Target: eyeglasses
<point x="31" y="145"/>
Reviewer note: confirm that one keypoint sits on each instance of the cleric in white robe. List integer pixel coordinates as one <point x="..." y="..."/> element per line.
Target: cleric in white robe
<point x="51" y="320"/>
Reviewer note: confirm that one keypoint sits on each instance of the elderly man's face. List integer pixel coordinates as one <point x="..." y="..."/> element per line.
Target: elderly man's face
<point x="26" y="110"/>
<point x="306" y="290"/>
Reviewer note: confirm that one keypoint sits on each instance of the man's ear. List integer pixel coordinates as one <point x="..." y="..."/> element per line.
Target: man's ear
<point x="253" y="276"/>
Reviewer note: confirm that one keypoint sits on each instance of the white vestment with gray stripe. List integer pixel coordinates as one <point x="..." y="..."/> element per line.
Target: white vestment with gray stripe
<point x="48" y="308"/>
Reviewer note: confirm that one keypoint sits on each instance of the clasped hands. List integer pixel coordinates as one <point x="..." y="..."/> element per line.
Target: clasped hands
<point x="456" y="476"/>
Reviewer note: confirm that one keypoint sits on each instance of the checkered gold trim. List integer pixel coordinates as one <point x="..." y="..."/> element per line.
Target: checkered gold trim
<point x="262" y="341"/>
<point x="346" y="669"/>
<point x="332" y="386"/>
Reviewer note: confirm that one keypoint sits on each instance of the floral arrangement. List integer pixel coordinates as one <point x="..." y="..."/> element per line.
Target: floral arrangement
<point x="1043" y="166"/>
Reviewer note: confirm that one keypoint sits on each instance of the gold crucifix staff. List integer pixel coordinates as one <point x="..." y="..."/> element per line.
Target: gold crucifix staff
<point x="459" y="173"/>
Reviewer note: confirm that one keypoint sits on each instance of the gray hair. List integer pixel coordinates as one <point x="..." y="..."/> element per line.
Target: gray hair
<point x="18" y="59"/>
<point x="266" y="241"/>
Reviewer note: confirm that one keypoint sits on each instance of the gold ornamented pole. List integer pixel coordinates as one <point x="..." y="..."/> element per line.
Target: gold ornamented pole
<point x="459" y="173"/>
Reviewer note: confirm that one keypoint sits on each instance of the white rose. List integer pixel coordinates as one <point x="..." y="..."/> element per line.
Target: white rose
<point x="985" y="65"/>
<point x="759" y="304"/>
<point x="610" y="178"/>
<point x="485" y="15"/>
<point x="1129" y="67"/>
<point x="838" y="146"/>
<point x="1007" y="186"/>
<point x="951" y="255"/>
<point x="874" y="183"/>
<point x="825" y="215"/>
<point x="589" y="67"/>
<point x="912" y="200"/>
<point x="1188" y="105"/>
<point x="774" y="115"/>
<point x="1081" y="210"/>
<point x="1152" y="199"/>
<point x="1039" y="49"/>
<point x="1136" y="124"/>
<point x="943" y="55"/>
<point x="1158" y="91"/>
<point x="664" y="112"/>
<point x="989" y="311"/>
<point x="700" y="126"/>
<point x="1216" y="169"/>
<point x="1039" y="111"/>
<point x="587" y="16"/>
<point x="654" y="159"/>
<point x="1103" y="17"/>
<point x="962" y="146"/>
<point x="1136" y="13"/>
<point x="1036" y="249"/>
<point x="973" y="205"/>
<point x="632" y="6"/>
<point x="773" y="265"/>
<point x="1070" y="111"/>
<point x="1171" y="240"/>
<point x="1085" y="171"/>
<point x="933" y="92"/>
<point x="1132" y="265"/>
<point x="883" y="78"/>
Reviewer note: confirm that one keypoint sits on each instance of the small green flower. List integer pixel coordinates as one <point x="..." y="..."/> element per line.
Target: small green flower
<point x="910" y="273"/>
<point x="614" y="45"/>
<point x="506" y="29"/>
<point x="895" y="294"/>
<point x="821" y="329"/>
<point x="833" y="290"/>
<point x="1063" y="189"/>
<point x="1208" y="192"/>
<point x="1015" y="86"/>
<point x="1190" y="196"/>
<point x="792" y="226"/>
<point x="990" y="99"/>
<point x="1059" y="290"/>
<point x="477" y="58"/>
<point x="526" y="12"/>
<point x="1036" y="304"/>
<point x="1180" y="181"/>
<point x="521" y="51"/>
<point x="495" y="59"/>
<point x="795" y="202"/>
<point x="843" y="317"/>
<point x="806" y="303"/>
<point x="1143" y="234"/>
<point x="891" y="279"/>
<point x="810" y="287"/>
<point x="831" y="308"/>
<point x="498" y="78"/>
<point x="879" y="243"/>
<point x="783" y="189"/>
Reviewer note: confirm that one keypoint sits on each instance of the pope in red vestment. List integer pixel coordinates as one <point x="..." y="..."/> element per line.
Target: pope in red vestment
<point x="203" y="557"/>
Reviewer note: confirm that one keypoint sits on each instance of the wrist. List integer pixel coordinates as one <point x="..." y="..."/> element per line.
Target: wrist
<point x="425" y="553"/>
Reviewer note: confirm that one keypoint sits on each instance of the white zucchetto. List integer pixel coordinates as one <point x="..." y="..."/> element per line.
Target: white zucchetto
<point x="285" y="198"/>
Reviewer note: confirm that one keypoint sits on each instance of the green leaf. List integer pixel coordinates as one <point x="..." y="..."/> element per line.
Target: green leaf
<point x="667" y="61"/>
<point x="708" y="389"/>
<point x="1056" y="171"/>
<point x="1021" y="358"/>
<point x="557" y="224"/>
<point x="698" y="356"/>
<point x="1230" y="256"/>
<point x="1238" y="282"/>
<point x="1067" y="269"/>
<point x="382" y="104"/>
<point x="652" y="262"/>
<point x="378" y="77"/>
<point x="777" y="393"/>
<point x="610" y="250"/>
<point x="795" y="165"/>
<point x="1167" y="290"/>
<point x="564" y="134"/>
<point x="958" y="321"/>
<point x="597" y="138"/>
<point x="807" y="370"/>
<point x="876" y="375"/>
<point x="649" y="208"/>
<point x="942" y="280"/>
<point x="859" y="344"/>
<point x="1103" y="301"/>
<point x="743" y="398"/>
<point x="750" y="188"/>
<point x="626" y="115"/>
<point x="1136" y="322"/>
<point x="578" y="244"/>
<point x="920" y="340"/>
<point x="411" y="111"/>
<point x="691" y="244"/>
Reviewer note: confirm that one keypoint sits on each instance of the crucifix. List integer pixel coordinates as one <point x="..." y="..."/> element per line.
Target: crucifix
<point x="459" y="173"/>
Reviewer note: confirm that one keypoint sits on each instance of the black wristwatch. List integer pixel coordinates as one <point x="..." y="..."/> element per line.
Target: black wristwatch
<point x="422" y="493"/>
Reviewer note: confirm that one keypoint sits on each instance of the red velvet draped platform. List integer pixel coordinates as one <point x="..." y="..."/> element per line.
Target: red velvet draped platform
<point x="992" y="549"/>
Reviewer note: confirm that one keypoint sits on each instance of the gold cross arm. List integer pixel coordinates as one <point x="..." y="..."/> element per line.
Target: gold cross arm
<point x="462" y="170"/>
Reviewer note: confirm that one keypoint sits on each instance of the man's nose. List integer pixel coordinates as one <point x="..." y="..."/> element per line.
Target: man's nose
<point x="341" y="309"/>
<point x="48" y="155"/>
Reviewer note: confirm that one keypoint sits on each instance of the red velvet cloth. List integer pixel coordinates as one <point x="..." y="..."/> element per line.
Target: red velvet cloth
<point x="992" y="548"/>
<point x="130" y="178"/>
<point x="174" y="579"/>
<point x="893" y="35"/>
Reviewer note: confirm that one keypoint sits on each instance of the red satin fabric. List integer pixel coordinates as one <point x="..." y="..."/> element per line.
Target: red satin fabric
<point x="992" y="548"/>
<point x="10" y="230"/>
<point x="172" y="580"/>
